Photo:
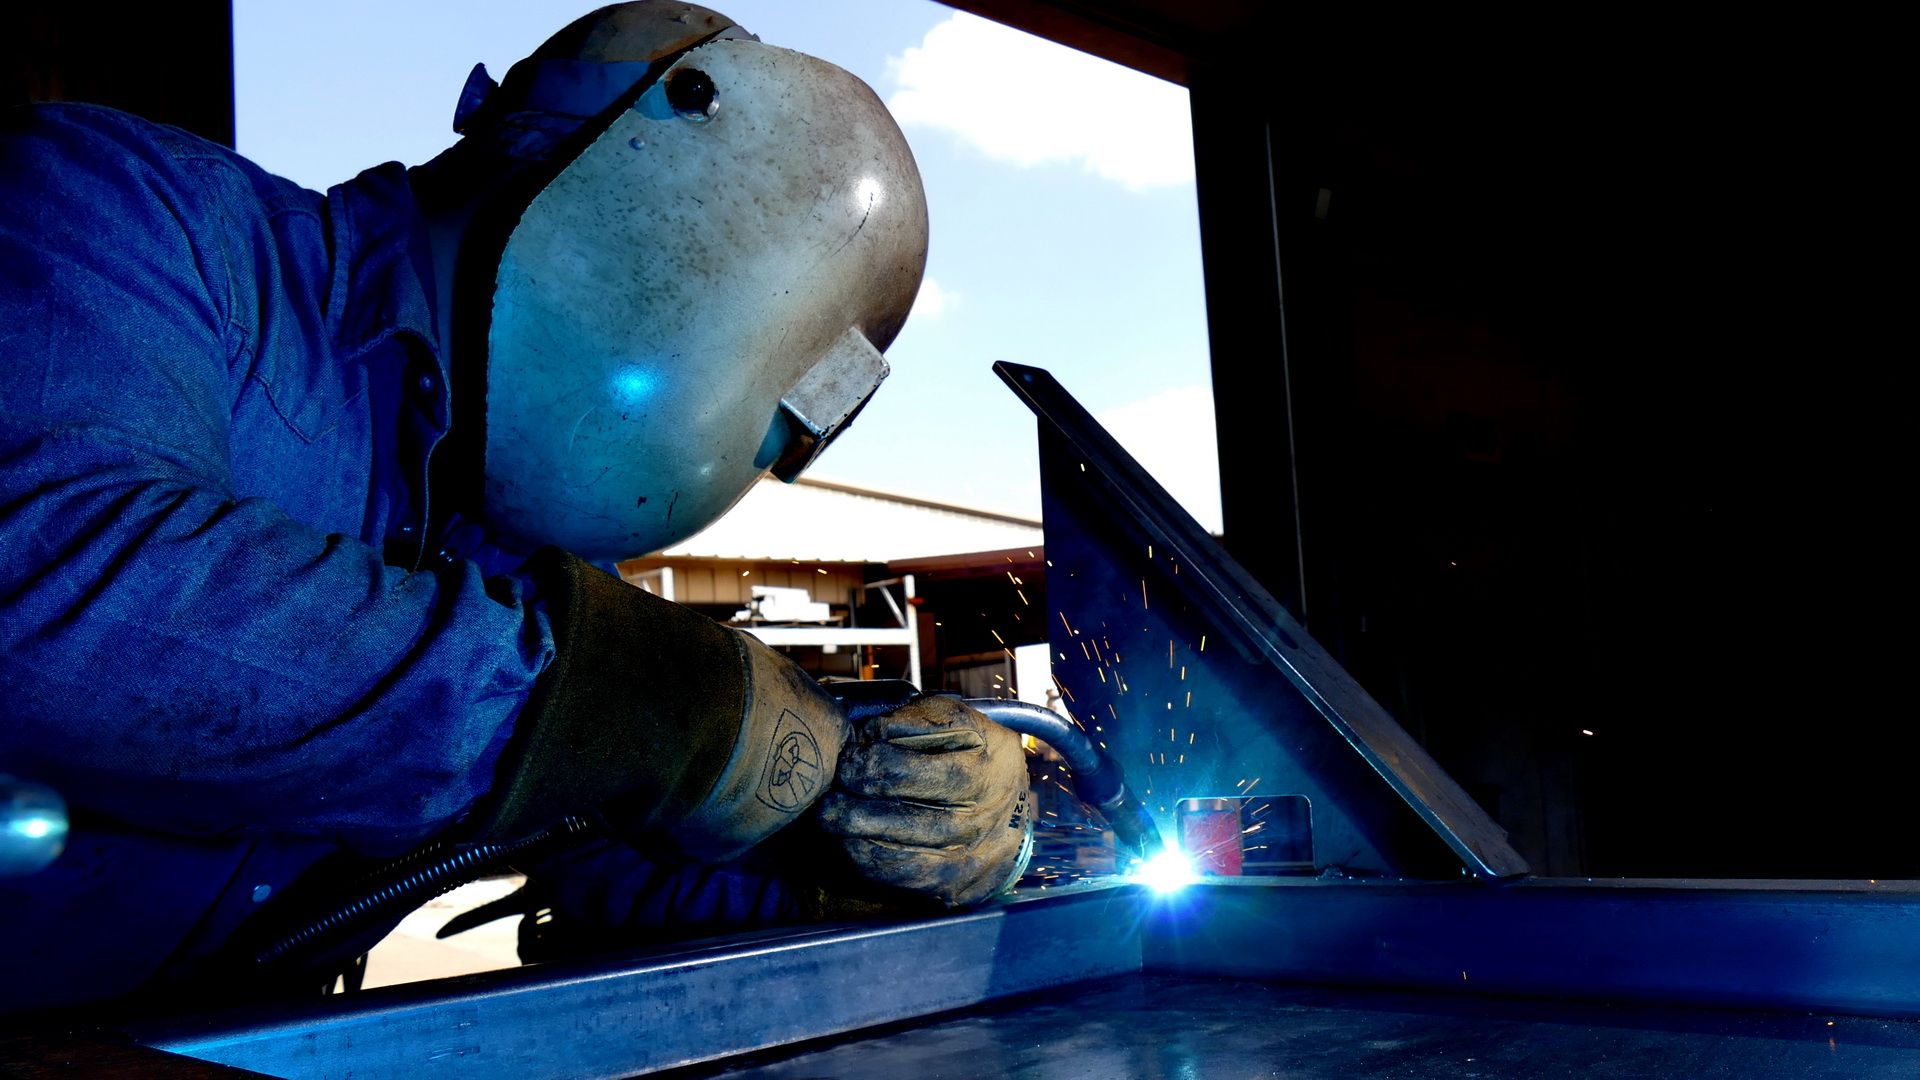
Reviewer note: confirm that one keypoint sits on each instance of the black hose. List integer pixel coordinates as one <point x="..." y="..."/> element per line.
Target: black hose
<point x="417" y="877"/>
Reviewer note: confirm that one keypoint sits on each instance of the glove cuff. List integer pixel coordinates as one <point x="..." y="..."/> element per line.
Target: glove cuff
<point x="783" y="760"/>
<point x="654" y="712"/>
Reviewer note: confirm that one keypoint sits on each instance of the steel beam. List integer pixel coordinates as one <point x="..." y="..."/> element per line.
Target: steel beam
<point x="647" y="1013"/>
<point x="1845" y="947"/>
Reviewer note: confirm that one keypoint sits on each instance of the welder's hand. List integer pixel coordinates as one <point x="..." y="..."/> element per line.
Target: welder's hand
<point x="932" y="798"/>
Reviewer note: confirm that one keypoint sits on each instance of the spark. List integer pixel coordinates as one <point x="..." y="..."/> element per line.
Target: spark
<point x="1183" y="673"/>
<point x="1149" y="551"/>
<point x="1085" y="653"/>
<point x="819" y="570"/>
<point x="1584" y="731"/>
<point x="1189" y="699"/>
<point x="1030" y="553"/>
<point x="1143" y="593"/>
<point x="1169" y="734"/>
<point x="1011" y="578"/>
<point x="1183" y="759"/>
<point x="1203" y="643"/>
<point x="1169" y="654"/>
<point x="1102" y="672"/>
<point x="1115" y="715"/>
<point x="1191" y="734"/>
<point x="1023" y="597"/>
<point x="1169" y="706"/>
<point x="996" y="635"/>
<point x="744" y="573"/>
<point x="1065" y="623"/>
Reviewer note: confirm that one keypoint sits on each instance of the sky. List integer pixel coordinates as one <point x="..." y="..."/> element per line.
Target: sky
<point x="1060" y="191"/>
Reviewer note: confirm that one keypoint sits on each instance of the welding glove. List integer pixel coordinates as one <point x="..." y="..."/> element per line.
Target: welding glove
<point x="685" y="736"/>
<point x="931" y="799"/>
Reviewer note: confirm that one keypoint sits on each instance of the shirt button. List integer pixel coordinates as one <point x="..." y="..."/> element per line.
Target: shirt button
<point x="261" y="892"/>
<point x="426" y="384"/>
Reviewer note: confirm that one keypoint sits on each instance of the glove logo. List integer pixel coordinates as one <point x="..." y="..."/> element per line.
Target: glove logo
<point x="794" y="773"/>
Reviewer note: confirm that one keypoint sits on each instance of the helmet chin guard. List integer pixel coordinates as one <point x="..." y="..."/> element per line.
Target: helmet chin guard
<point x="699" y="297"/>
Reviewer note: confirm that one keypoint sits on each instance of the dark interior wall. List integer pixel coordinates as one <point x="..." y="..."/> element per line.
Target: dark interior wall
<point x="168" y="62"/>
<point x="1583" y="411"/>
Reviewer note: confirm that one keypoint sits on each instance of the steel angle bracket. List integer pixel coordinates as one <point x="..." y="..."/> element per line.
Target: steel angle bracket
<point x="1223" y="593"/>
<point x="623" y="1015"/>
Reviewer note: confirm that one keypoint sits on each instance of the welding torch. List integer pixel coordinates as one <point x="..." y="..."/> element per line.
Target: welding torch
<point x="1097" y="778"/>
<point x="424" y="874"/>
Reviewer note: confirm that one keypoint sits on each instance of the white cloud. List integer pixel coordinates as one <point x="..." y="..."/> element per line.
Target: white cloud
<point x="1024" y="100"/>
<point x="933" y="301"/>
<point x="1172" y="436"/>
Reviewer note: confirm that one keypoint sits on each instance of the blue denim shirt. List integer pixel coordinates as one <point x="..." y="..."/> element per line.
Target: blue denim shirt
<point x="219" y="393"/>
<point x="231" y="633"/>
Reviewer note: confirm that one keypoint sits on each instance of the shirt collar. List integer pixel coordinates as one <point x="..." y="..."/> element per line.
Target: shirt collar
<point x="382" y="266"/>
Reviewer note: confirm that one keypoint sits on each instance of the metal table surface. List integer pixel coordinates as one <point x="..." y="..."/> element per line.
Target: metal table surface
<point x="1183" y="1027"/>
<point x="1210" y="980"/>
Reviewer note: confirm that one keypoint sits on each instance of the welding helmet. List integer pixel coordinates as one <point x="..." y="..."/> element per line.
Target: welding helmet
<point x="727" y="236"/>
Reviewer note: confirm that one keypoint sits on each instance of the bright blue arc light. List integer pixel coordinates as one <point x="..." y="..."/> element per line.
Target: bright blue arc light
<point x="1168" y="872"/>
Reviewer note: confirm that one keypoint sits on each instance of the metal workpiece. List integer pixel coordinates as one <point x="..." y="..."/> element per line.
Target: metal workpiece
<point x="1202" y="685"/>
<point x="33" y="826"/>
<point x="1238" y="950"/>
<point x="1168" y="1026"/>
<point x="1846" y="947"/>
<point x="640" y="1013"/>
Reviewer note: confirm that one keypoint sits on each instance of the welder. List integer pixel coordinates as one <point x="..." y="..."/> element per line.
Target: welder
<point x="308" y="503"/>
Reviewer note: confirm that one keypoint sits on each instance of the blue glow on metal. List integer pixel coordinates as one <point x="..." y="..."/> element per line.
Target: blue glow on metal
<point x="37" y="828"/>
<point x="633" y="384"/>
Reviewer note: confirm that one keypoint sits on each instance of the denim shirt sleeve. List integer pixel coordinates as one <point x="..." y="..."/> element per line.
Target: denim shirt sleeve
<point x="171" y="654"/>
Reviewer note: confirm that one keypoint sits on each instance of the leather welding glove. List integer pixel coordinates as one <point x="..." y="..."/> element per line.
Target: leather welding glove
<point x="932" y="798"/>
<point x="683" y="734"/>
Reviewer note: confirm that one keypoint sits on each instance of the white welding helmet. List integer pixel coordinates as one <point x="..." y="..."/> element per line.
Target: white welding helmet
<point x="699" y="297"/>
